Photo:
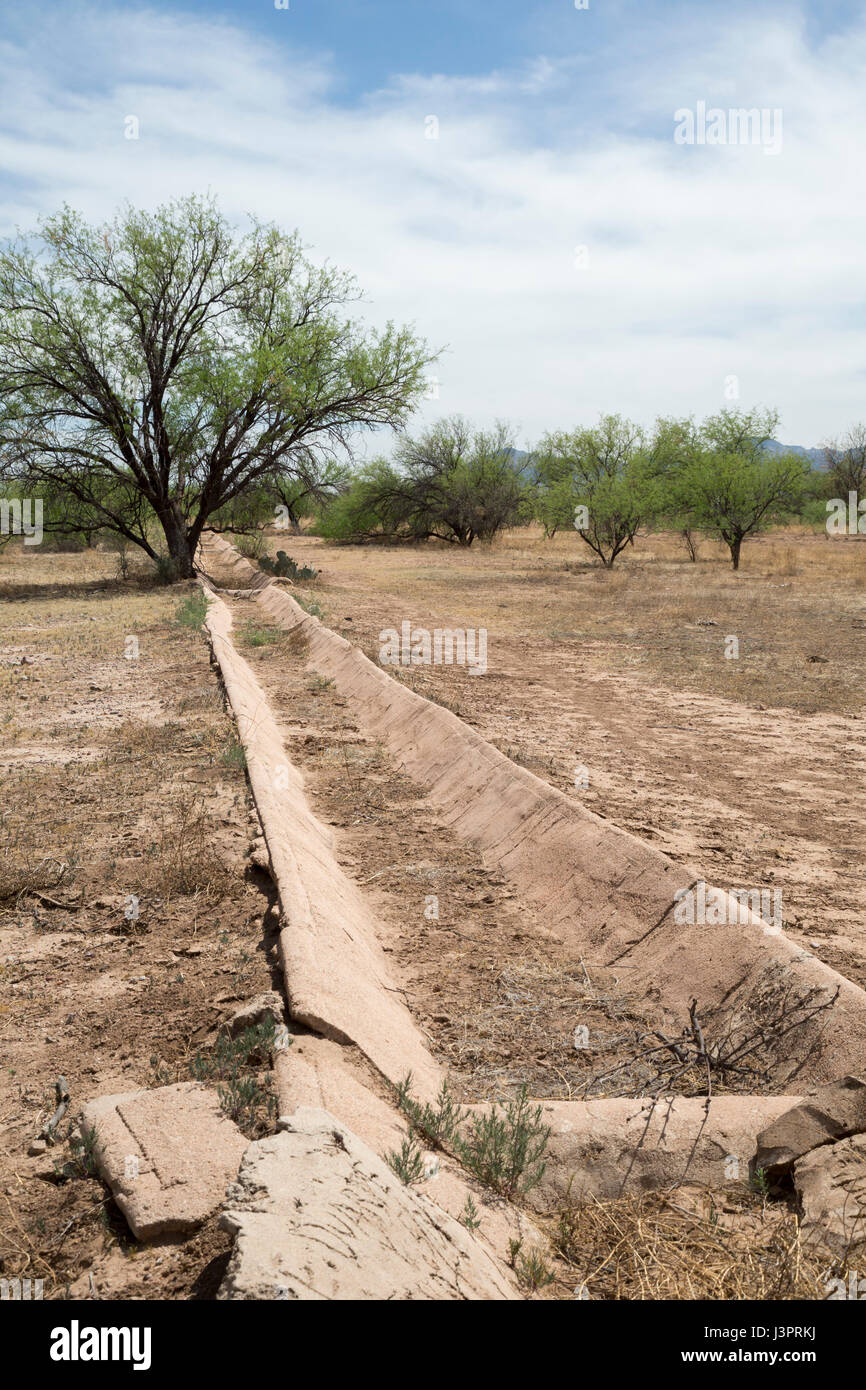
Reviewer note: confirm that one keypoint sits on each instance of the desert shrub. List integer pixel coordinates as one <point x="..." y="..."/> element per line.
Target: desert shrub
<point x="504" y="1147"/>
<point x="284" y="567"/>
<point x="166" y="569"/>
<point x="408" y="1164"/>
<point x="251" y="545"/>
<point x="193" y="611"/>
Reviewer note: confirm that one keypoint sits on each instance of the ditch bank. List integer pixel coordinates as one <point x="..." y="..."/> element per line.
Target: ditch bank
<point x="603" y="892"/>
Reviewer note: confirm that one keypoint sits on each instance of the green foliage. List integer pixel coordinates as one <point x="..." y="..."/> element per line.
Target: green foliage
<point x="233" y="754"/>
<point x="193" y="611"/>
<point x="254" y="636"/>
<point x="85" y="1153"/>
<point x="156" y="369"/>
<point x="532" y="1271"/>
<point x="437" y="1124"/>
<point x="166" y="569"/>
<point x="453" y="483"/>
<point x="251" y="545"/>
<point x="284" y="567"/>
<point x="730" y="486"/>
<point x="309" y="606"/>
<point x="759" y="1182"/>
<point x="505" y="1146"/>
<point x="243" y="1096"/>
<point x="601" y="481"/>
<point x="408" y="1164"/>
<point x="228" y="1055"/>
<point x="248" y="1102"/>
<point x="469" y="1216"/>
<point x="846" y="464"/>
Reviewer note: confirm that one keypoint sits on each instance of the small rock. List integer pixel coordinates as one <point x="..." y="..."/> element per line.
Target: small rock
<point x="255" y="1011"/>
<point x="37" y="1147"/>
<point x="829" y="1113"/>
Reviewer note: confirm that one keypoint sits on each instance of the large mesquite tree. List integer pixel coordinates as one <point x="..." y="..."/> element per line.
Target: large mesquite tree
<point x="154" y="370"/>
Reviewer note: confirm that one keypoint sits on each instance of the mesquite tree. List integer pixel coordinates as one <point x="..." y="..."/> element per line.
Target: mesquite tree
<point x="731" y="487"/>
<point x="154" y="370"/>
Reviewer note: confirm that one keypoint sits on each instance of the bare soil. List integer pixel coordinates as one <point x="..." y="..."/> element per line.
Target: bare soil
<point x="121" y="781"/>
<point x="751" y="769"/>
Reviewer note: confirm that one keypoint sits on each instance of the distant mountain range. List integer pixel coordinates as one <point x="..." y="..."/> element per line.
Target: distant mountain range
<point x="815" y="456"/>
<point x="772" y="446"/>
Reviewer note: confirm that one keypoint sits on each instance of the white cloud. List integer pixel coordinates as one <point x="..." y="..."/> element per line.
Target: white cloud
<point x="702" y="262"/>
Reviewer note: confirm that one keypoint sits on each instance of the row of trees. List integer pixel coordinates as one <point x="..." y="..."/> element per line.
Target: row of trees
<point x="459" y="485"/>
<point x="162" y="374"/>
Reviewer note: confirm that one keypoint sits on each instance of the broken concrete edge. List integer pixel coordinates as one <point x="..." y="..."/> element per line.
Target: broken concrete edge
<point x="170" y="1157"/>
<point x="335" y="973"/>
<point x="822" y="1117"/>
<point x="167" y="1154"/>
<point x="829" y="1182"/>
<point x="619" y="890"/>
<point x="321" y="1075"/>
<point x="316" y="1214"/>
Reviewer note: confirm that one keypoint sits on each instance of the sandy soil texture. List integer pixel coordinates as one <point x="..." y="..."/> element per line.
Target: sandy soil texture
<point x="750" y="768"/>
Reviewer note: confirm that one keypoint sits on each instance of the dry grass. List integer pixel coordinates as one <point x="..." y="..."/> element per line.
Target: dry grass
<point x="112" y="765"/>
<point x="689" y="1245"/>
<point x="182" y="858"/>
<point x="796" y="594"/>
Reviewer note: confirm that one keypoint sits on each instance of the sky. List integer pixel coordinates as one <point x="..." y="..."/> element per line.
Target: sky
<point x="505" y="176"/>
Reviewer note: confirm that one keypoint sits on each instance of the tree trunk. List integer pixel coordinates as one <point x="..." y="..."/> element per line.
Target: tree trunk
<point x="177" y="540"/>
<point x="735" y="551"/>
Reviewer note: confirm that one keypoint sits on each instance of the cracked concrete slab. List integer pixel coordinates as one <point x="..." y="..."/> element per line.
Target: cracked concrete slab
<point x="167" y="1155"/>
<point x="317" y="1215"/>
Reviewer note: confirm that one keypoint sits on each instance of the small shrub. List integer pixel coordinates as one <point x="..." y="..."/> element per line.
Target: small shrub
<point x="253" y="1045"/>
<point x="469" y="1216"/>
<point x="533" y="1272"/>
<point x="251" y="546"/>
<point x="248" y="1102"/>
<point x="408" y="1164"/>
<point x="193" y="611"/>
<point x="439" y="1124"/>
<point x="255" y="636"/>
<point x="166" y="570"/>
<point x="284" y="567"/>
<point x="310" y="606"/>
<point x="233" y="754"/>
<point x="244" y="1097"/>
<point x="505" y="1147"/>
<point x="83" y="1163"/>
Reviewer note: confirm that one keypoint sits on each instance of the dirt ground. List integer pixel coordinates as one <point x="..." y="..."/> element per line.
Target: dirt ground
<point x="121" y="781"/>
<point x="124" y="784"/>
<point x="750" y="768"/>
